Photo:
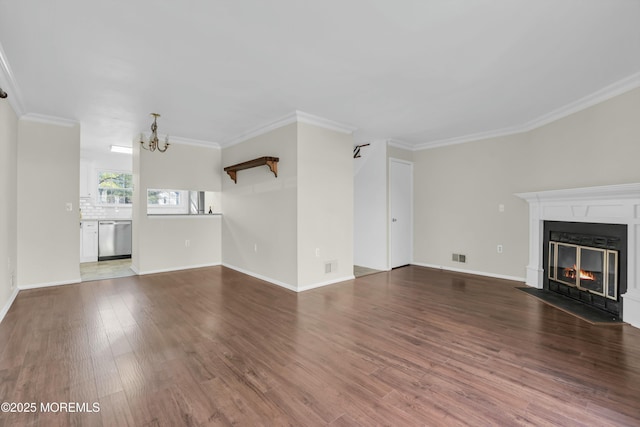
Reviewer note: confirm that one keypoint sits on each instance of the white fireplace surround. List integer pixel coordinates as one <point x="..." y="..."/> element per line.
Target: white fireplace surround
<point x="610" y="204"/>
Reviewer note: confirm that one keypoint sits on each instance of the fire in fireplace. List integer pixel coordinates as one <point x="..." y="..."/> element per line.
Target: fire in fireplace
<point x="584" y="262"/>
<point x="573" y="273"/>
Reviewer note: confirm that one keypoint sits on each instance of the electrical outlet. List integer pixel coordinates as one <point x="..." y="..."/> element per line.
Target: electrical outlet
<point x="317" y="252"/>
<point x="500" y="207"/>
<point x="499" y="249"/>
<point x="330" y="266"/>
<point x="187" y="243"/>
<point x="69" y="206"/>
<point x="255" y="247"/>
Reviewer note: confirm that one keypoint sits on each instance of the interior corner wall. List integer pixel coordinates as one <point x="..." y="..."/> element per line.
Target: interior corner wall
<point x="160" y="243"/>
<point x="399" y="153"/>
<point x="48" y="180"/>
<point x="370" y="207"/>
<point x="8" y="207"/>
<point x="459" y="188"/>
<point x="259" y="233"/>
<point x="138" y="211"/>
<point x="325" y="206"/>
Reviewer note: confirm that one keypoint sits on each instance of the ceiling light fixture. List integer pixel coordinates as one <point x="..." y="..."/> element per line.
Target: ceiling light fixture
<point x="153" y="144"/>
<point x="121" y="149"/>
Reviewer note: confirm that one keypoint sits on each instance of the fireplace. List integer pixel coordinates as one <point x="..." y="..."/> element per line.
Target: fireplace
<point x="586" y="262"/>
<point x="617" y="204"/>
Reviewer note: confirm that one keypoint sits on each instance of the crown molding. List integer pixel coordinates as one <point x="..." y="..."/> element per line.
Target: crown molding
<point x="9" y="85"/>
<point x="469" y="138"/>
<point x="189" y="141"/>
<point x="324" y="123"/>
<point x="618" y="88"/>
<point x="294" y="117"/>
<point x="260" y="130"/>
<point x="50" y="120"/>
<point x="401" y="144"/>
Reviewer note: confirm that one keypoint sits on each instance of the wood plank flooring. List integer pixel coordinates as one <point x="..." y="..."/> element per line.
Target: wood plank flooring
<point x="414" y="346"/>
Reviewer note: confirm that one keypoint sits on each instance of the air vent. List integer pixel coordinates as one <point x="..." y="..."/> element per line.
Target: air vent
<point x="330" y="266"/>
<point x="458" y="258"/>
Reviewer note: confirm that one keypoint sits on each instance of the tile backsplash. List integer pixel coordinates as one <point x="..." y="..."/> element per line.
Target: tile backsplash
<point x="90" y="210"/>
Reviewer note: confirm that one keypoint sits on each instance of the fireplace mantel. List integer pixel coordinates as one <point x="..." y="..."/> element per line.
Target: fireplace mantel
<point x="610" y="204"/>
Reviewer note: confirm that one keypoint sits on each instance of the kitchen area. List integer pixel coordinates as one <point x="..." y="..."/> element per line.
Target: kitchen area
<point x="105" y="212"/>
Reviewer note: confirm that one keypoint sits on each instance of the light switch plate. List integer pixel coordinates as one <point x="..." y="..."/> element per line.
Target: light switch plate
<point x="69" y="206"/>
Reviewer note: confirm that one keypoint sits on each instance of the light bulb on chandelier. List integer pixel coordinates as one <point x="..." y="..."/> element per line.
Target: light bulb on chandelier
<point x="154" y="144"/>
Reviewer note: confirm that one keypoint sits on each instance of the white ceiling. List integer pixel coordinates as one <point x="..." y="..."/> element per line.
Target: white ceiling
<point x="416" y="71"/>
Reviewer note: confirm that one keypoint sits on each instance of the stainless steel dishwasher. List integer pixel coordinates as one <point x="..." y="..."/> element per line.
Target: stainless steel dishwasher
<point x="114" y="240"/>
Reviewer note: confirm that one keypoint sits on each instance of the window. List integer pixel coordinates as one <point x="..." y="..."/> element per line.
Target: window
<point x="181" y="202"/>
<point x="115" y="188"/>
<point x="163" y="202"/>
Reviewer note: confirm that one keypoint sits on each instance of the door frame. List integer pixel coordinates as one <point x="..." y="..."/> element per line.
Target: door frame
<point x="389" y="213"/>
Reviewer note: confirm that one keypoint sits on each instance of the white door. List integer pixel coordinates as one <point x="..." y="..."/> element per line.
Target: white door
<point x="401" y="197"/>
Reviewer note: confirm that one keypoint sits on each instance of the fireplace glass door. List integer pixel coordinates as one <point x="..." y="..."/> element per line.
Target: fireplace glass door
<point x="590" y="269"/>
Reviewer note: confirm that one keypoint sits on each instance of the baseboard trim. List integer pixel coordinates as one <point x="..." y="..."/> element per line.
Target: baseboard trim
<point x="325" y="283"/>
<point x="168" y="270"/>
<point x="631" y="307"/>
<point x="9" y="303"/>
<point x="287" y="285"/>
<point x="261" y="277"/>
<point x="477" y="273"/>
<point x="50" y="284"/>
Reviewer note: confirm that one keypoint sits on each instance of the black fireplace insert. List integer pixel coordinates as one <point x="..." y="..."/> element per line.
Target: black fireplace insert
<point x="586" y="262"/>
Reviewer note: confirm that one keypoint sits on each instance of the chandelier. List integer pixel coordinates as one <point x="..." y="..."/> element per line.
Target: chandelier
<point x="153" y="144"/>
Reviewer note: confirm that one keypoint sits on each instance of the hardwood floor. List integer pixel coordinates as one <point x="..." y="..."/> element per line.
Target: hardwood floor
<point x="413" y="346"/>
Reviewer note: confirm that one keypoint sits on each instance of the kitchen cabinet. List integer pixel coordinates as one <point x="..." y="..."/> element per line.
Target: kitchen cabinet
<point x="88" y="241"/>
<point x="87" y="183"/>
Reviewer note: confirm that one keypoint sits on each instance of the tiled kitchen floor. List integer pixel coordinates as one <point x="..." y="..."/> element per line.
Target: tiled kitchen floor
<point x="105" y="269"/>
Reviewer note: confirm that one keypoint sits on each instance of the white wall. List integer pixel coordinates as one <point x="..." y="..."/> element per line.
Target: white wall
<point x="273" y="226"/>
<point x="325" y="205"/>
<point x="458" y="188"/>
<point x="8" y="207"/>
<point x="370" y="202"/>
<point x="159" y="243"/>
<point x="259" y="232"/>
<point x="48" y="179"/>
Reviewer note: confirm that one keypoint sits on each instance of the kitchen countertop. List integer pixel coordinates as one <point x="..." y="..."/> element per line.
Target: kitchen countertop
<point x="105" y="219"/>
<point x="164" y="216"/>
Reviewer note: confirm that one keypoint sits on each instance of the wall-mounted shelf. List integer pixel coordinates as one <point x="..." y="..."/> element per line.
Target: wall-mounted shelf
<point x="272" y="162"/>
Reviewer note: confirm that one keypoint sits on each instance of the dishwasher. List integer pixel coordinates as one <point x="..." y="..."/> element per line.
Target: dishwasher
<point x="114" y="240"/>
